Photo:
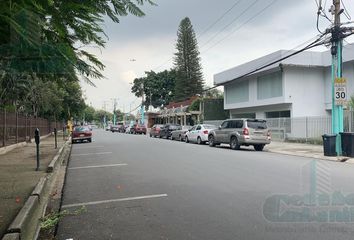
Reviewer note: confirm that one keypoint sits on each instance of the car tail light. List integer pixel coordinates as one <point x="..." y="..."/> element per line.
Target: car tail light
<point x="246" y="131"/>
<point x="269" y="133"/>
<point x="205" y="131"/>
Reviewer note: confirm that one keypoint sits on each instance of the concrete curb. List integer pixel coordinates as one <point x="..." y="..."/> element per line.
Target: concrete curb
<point x="54" y="163"/>
<point x="12" y="236"/>
<point x="26" y="223"/>
<point x="40" y="187"/>
<point x="22" y="219"/>
<point x="316" y="156"/>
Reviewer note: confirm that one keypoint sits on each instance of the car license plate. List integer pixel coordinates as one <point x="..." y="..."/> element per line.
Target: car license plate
<point x="82" y="135"/>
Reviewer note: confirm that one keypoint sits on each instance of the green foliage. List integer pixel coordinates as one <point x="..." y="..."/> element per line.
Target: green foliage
<point x="189" y="76"/>
<point x="89" y="113"/>
<point x="158" y="87"/>
<point x="195" y="106"/>
<point x="214" y="94"/>
<point x="42" y="51"/>
<point x="50" y="220"/>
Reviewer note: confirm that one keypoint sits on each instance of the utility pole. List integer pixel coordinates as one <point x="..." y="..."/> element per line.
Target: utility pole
<point x="114" y="110"/>
<point x="336" y="50"/>
<point x="104" y="117"/>
<point x="142" y="112"/>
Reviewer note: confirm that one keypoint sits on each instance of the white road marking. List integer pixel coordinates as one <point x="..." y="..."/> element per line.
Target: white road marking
<point x="87" y="147"/>
<point x="99" y="166"/>
<point x="114" y="200"/>
<point x="87" y="154"/>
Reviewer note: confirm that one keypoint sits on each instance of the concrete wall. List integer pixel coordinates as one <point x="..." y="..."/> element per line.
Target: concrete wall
<point x="253" y="101"/>
<point x="304" y="88"/>
<point x="306" y="92"/>
<point x="348" y="73"/>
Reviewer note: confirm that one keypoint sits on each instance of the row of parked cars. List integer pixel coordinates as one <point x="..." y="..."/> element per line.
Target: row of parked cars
<point x="235" y="132"/>
<point x="125" y="128"/>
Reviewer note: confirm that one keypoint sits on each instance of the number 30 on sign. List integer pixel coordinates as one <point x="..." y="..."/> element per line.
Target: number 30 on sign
<point x="340" y="91"/>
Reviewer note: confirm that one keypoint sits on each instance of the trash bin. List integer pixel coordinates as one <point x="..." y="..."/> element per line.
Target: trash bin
<point x="329" y="144"/>
<point x="347" y="144"/>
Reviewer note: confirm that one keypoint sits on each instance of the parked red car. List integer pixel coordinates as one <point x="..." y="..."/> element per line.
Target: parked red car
<point x="138" y="129"/>
<point x="155" y="130"/>
<point x="81" y="133"/>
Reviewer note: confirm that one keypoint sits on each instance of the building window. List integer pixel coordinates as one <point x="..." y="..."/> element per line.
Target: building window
<point x="270" y="86"/>
<point x="237" y="92"/>
<point x="278" y="114"/>
<point x="244" y="115"/>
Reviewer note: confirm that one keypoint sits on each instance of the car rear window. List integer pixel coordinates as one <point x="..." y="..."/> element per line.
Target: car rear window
<point x="210" y="126"/>
<point x="173" y="127"/>
<point x="81" y="129"/>
<point x="257" y="124"/>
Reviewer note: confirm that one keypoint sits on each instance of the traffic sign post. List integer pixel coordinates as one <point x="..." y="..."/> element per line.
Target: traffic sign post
<point x="340" y="91"/>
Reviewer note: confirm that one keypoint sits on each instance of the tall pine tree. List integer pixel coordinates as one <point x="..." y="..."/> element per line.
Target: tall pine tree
<point x="189" y="78"/>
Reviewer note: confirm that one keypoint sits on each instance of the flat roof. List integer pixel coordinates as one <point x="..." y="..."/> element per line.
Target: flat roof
<point x="306" y="58"/>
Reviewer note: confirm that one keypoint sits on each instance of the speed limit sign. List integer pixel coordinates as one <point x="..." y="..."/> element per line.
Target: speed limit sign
<point x="340" y="91"/>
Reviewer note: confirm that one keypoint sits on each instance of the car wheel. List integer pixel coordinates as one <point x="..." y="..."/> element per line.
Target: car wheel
<point x="172" y="138"/>
<point x="234" y="143"/>
<point x="258" y="147"/>
<point x="150" y="135"/>
<point x="89" y="140"/>
<point x="199" y="141"/>
<point x="211" y="141"/>
<point x="186" y="139"/>
<point x="180" y="138"/>
<point x="72" y="141"/>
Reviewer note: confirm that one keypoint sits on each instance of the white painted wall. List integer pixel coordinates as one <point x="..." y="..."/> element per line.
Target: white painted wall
<point x="253" y="101"/>
<point x="304" y="88"/>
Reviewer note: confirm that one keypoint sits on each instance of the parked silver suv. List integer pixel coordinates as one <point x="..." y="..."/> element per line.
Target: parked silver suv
<point x="237" y="132"/>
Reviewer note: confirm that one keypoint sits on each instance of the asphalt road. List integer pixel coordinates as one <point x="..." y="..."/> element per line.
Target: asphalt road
<point x="136" y="187"/>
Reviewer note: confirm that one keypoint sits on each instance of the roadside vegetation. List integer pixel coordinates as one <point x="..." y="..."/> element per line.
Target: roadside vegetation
<point x="43" y="52"/>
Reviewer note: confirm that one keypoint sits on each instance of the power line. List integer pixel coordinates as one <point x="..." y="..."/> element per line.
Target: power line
<point x="206" y="30"/>
<point x="249" y="20"/>
<point x="313" y="44"/>
<point x="219" y="19"/>
<point x="346" y="13"/>
<point x="230" y="23"/>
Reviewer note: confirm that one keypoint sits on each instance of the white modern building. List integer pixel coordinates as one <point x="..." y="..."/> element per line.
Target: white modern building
<point x="299" y="86"/>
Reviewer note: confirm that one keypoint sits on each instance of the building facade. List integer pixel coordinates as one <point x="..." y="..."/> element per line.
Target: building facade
<point x="299" y="86"/>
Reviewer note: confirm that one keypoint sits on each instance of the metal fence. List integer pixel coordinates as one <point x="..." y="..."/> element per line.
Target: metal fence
<point x="303" y="128"/>
<point x="16" y="127"/>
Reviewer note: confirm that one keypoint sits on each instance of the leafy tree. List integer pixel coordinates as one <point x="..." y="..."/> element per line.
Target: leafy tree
<point x="42" y="31"/>
<point x="214" y="93"/>
<point x="189" y="79"/>
<point x="157" y="87"/>
<point x="42" y="51"/>
<point x="89" y="113"/>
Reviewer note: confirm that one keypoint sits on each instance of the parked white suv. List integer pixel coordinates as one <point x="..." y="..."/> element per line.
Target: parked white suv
<point x="238" y="132"/>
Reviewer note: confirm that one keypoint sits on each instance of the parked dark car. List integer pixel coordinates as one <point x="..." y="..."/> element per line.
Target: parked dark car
<point x="238" y="132"/>
<point x="122" y="128"/>
<point x="138" y="129"/>
<point x="80" y="134"/>
<point x="180" y="134"/>
<point x="155" y="130"/>
<point x="166" y="130"/>
<point x="115" y="128"/>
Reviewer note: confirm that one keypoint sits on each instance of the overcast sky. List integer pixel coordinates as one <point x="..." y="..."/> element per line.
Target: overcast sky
<point x="150" y="40"/>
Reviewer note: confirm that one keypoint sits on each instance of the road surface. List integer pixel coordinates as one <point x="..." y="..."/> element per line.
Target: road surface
<point x="136" y="187"/>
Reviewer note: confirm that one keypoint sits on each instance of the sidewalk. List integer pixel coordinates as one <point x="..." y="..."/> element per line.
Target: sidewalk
<point x="303" y="150"/>
<point x="18" y="176"/>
